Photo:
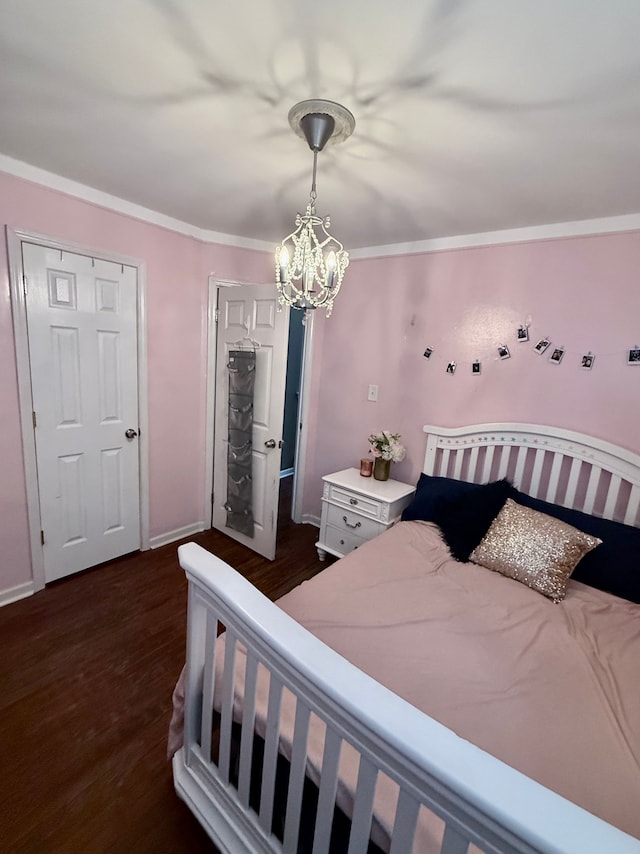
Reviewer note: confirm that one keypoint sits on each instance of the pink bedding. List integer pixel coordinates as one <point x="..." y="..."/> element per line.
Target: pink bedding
<point x="552" y="690"/>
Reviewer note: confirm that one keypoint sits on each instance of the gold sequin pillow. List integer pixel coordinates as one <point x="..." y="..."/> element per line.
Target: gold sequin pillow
<point x="533" y="548"/>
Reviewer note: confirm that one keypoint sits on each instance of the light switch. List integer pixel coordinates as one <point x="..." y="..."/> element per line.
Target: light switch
<point x="373" y="392"/>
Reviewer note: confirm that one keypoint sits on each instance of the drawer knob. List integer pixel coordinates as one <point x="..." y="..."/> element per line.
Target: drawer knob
<point x="349" y="525"/>
<point x="353" y="501"/>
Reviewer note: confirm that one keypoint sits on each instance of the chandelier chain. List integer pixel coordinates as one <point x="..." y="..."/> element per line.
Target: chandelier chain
<point x="313" y="195"/>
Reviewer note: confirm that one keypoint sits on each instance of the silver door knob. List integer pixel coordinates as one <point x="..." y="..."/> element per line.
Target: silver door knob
<point x="130" y="433"/>
<point x="270" y="443"/>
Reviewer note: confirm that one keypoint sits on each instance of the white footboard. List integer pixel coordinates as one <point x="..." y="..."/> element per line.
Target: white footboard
<point x="477" y="798"/>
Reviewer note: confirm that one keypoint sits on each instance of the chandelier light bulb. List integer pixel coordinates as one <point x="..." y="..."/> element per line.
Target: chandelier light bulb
<point x="331" y="268"/>
<point x="282" y="260"/>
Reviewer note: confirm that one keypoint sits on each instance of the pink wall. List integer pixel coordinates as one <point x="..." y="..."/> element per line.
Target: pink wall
<point x="177" y="271"/>
<point x="581" y="292"/>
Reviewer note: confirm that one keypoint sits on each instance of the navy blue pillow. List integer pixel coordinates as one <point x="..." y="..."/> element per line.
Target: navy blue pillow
<point x="463" y="511"/>
<point x="615" y="565"/>
<point x="466" y="519"/>
<point x="431" y="492"/>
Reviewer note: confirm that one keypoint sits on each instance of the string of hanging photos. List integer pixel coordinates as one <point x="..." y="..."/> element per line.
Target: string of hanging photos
<point x="553" y="353"/>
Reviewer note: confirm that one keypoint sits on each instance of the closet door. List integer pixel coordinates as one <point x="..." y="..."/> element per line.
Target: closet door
<point x="82" y="329"/>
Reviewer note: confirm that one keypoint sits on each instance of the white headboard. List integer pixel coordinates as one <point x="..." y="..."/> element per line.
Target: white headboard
<point x="559" y="466"/>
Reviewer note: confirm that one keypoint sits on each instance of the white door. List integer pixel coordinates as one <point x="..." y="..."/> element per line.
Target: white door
<point x="82" y="329"/>
<point x="247" y="314"/>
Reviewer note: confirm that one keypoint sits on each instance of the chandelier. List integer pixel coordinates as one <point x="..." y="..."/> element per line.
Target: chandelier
<point x="310" y="263"/>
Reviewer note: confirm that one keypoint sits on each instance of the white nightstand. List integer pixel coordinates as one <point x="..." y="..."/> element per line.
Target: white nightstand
<point x="356" y="508"/>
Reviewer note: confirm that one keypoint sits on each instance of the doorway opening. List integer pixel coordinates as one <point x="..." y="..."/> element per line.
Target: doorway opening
<point x="292" y="421"/>
<point x="292" y="393"/>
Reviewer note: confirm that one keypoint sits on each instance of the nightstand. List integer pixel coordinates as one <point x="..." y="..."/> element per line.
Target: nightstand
<point x="356" y="509"/>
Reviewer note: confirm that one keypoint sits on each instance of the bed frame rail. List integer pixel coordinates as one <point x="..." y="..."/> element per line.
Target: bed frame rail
<point x="559" y="466"/>
<point x="478" y="799"/>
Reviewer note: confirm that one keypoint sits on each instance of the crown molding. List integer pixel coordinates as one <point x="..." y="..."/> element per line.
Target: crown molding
<point x="552" y="231"/>
<point x="578" y="228"/>
<point x="19" y="169"/>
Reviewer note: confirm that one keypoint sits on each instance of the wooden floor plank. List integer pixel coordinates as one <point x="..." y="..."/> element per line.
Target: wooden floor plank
<point x="87" y="668"/>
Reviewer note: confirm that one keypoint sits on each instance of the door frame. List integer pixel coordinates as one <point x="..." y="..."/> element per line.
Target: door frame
<point x="303" y="403"/>
<point x="15" y="238"/>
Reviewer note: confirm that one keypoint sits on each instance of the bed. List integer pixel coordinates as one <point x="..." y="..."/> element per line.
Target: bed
<point x="516" y="729"/>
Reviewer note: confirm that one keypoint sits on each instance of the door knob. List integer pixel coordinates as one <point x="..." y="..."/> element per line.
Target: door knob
<point x="270" y="443"/>
<point x="130" y="433"/>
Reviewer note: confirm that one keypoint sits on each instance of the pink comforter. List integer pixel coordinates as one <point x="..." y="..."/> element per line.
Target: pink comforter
<point x="552" y="690"/>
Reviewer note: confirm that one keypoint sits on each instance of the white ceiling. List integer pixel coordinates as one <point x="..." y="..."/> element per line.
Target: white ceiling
<point x="471" y="115"/>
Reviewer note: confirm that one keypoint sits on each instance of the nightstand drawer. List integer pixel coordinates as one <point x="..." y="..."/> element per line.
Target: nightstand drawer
<point x="342" y="541"/>
<point x="345" y="498"/>
<point x="350" y="522"/>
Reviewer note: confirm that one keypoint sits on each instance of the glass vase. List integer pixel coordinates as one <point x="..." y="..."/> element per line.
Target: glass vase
<point x="381" y="469"/>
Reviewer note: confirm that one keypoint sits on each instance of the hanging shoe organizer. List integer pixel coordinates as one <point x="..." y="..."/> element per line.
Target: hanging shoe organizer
<point x="239" y="503"/>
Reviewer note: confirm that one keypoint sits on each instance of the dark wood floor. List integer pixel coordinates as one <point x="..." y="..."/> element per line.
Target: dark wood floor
<point x="87" y="668"/>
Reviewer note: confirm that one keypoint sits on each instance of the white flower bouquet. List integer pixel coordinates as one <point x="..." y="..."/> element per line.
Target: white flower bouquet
<point x="387" y="446"/>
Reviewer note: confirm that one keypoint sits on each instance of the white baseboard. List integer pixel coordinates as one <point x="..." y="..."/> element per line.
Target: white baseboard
<point x="20" y="591"/>
<point x="178" y="534"/>
<point x="309" y="519"/>
<point x="286" y="473"/>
